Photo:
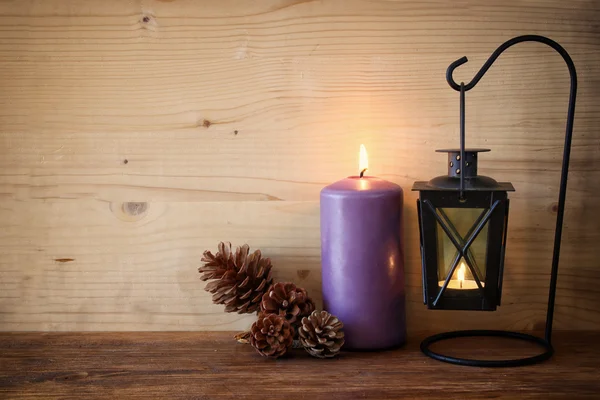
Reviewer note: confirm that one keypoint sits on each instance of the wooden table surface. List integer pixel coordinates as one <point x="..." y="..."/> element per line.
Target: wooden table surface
<point x="211" y="365"/>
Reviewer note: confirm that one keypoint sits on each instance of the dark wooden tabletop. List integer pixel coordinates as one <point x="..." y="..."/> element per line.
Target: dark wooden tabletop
<point x="212" y="365"/>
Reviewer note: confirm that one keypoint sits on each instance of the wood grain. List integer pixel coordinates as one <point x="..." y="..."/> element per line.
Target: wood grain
<point x="134" y="135"/>
<point x="212" y="366"/>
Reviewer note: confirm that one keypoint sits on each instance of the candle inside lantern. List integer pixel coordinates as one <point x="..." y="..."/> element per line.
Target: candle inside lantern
<point x="460" y="282"/>
<point x="362" y="258"/>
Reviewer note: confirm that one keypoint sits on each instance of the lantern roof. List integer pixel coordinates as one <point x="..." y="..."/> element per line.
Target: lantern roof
<point x="472" y="181"/>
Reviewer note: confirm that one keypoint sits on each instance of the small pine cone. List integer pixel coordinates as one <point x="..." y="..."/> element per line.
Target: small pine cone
<point x="288" y="301"/>
<point x="271" y="335"/>
<point x="321" y="334"/>
<point x="238" y="280"/>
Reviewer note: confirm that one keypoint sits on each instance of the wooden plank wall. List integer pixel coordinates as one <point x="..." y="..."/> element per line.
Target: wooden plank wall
<point x="136" y="134"/>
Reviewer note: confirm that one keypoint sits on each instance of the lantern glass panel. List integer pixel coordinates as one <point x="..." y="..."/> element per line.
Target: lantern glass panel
<point x="461" y="222"/>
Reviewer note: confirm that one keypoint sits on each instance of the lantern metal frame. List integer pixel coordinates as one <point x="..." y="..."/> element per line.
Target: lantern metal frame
<point x="546" y="341"/>
<point x="494" y="214"/>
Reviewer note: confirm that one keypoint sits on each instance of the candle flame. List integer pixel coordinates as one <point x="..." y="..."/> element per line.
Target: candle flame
<point x="363" y="160"/>
<point x="461" y="273"/>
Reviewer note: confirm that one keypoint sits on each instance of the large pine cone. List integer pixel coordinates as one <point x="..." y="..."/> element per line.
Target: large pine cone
<point x="271" y="335"/>
<point x="288" y="301"/>
<point x="321" y="334"/>
<point x="216" y="265"/>
<point x="239" y="279"/>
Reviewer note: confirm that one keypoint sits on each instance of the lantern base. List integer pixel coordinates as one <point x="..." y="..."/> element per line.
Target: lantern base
<point x="487" y="363"/>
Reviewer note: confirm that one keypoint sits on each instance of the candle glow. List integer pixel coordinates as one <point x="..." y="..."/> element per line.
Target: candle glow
<point x="461" y="274"/>
<point x="363" y="160"/>
<point x="460" y="281"/>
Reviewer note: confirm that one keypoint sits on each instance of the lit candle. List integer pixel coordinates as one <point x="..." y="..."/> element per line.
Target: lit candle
<point x="461" y="274"/>
<point x="460" y="282"/>
<point x="363" y="160"/>
<point x="362" y="258"/>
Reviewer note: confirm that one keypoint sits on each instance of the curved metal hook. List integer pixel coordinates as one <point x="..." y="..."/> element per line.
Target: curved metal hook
<point x="566" y="150"/>
<point x="500" y="50"/>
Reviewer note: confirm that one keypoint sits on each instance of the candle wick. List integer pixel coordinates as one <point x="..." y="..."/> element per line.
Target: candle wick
<point x="362" y="173"/>
<point x="461" y="284"/>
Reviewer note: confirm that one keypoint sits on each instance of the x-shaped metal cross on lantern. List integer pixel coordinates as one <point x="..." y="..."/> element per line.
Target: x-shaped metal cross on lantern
<point x="463" y="247"/>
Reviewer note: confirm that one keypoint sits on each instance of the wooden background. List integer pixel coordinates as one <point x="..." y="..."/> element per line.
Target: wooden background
<point x="136" y="134"/>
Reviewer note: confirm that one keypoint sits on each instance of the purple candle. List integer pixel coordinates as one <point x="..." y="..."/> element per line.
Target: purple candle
<point x="362" y="260"/>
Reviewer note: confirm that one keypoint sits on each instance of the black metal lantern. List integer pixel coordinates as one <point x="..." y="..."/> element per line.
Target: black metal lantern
<point x="463" y="232"/>
<point x="463" y="220"/>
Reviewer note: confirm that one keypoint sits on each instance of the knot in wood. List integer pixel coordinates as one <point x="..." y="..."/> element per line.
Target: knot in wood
<point x="135" y="208"/>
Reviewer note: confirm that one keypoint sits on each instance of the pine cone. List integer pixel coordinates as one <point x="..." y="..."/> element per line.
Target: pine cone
<point x="216" y="265"/>
<point x="288" y="301"/>
<point x="239" y="279"/>
<point x="271" y="335"/>
<point x="321" y="334"/>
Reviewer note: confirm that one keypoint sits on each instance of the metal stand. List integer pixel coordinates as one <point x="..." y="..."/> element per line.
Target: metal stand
<point x="546" y="341"/>
<point x="488" y="363"/>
